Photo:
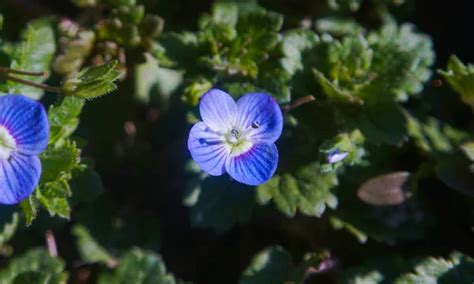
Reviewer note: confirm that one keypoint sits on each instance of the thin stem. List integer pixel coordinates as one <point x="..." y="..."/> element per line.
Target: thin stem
<point x="298" y="102"/>
<point x="51" y="243"/>
<point x="21" y="72"/>
<point x="34" y="84"/>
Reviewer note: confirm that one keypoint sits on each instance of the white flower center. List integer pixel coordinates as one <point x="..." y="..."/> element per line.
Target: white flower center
<point x="237" y="140"/>
<point x="7" y="143"/>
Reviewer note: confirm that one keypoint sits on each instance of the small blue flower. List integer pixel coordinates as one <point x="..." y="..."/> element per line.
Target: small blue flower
<point x="237" y="137"/>
<point x="335" y="156"/>
<point x="24" y="132"/>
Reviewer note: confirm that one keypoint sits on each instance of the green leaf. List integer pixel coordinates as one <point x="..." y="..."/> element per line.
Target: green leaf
<point x="57" y="161"/>
<point x="382" y="124"/>
<point x="309" y="190"/>
<point x="345" y="5"/>
<point x="139" y="267"/>
<point x="458" y="268"/>
<point x="63" y="119"/>
<point x="383" y="67"/>
<point x="271" y="266"/>
<point x="89" y="250"/>
<point x="35" y="53"/>
<point x="293" y="44"/>
<point x="274" y="265"/>
<point x="8" y="224"/>
<point x="461" y="78"/>
<point x="29" y="206"/>
<point x="35" y="266"/>
<point x="93" y="82"/>
<point x="218" y="203"/>
<point x="154" y="83"/>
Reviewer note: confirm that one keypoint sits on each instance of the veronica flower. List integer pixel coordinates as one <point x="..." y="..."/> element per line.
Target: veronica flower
<point x="237" y="137"/>
<point x="24" y="133"/>
<point x="335" y="156"/>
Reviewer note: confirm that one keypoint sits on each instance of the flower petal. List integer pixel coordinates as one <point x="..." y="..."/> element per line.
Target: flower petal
<point x="218" y="110"/>
<point x="262" y="113"/>
<point x="26" y="121"/>
<point x="255" y="166"/>
<point x="207" y="149"/>
<point x="19" y="176"/>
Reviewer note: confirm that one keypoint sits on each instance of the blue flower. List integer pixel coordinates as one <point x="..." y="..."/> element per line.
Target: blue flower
<point x="24" y="133"/>
<point x="335" y="156"/>
<point x="237" y="137"/>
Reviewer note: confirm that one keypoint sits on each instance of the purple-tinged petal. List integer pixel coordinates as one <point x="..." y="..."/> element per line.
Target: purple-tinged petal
<point x="19" y="176"/>
<point x="261" y="113"/>
<point x="255" y="166"/>
<point x="218" y="110"/>
<point x="207" y="149"/>
<point x="26" y="120"/>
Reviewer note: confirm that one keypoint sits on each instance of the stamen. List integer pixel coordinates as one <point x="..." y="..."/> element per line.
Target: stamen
<point x="255" y="124"/>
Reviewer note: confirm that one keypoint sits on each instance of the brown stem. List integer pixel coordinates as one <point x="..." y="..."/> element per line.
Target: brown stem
<point x="34" y="84"/>
<point x="296" y="103"/>
<point x="21" y="72"/>
<point x="51" y="243"/>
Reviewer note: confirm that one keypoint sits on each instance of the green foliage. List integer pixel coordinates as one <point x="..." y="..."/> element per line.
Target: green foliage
<point x="269" y="266"/>
<point x="274" y="265"/>
<point x="35" y="266"/>
<point x="458" y="268"/>
<point x="93" y="82"/>
<point x="59" y="162"/>
<point x="236" y="45"/>
<point x="461" y="78"/>
<point x="34" y="53"/>
<point x="350" y="78"/>
<point x="219" y="203"/>
<point x="139" y="267"/>
<point x="383" y="67"/>
<point x="89" y="250"/>
<point x="8" y="224"/>
<point x="309" y="190"/>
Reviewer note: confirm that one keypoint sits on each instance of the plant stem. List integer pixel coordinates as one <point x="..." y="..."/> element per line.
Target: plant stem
<point x="34" y="84"/>
<point x="21" y="72"/>
<point x="298" y="102"/>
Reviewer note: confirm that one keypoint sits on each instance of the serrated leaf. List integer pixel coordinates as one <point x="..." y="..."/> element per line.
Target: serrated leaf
<point x="383" y="67"/>
<point x="293" y="44"/>
<point x="59" y="160"/>
<point x="219" y="203"/>
<point x="63" y="119"/>
<point x="35" y="53"/>
<point x="139" y="267"/>
<point x="461" y="78"/>
<point x="89" y="250"/>
<point x="458" y="268"/>
<point x="93" y="82"/>
<point x="29" y="207"/>
<point x="308" y="190"/>
<point x="35" y="266"/>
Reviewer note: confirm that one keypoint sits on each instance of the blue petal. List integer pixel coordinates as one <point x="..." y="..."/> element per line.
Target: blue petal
<point x="19" y="175"/>
<point x="255" y="166"/>
<point x="262" y="113"/>
<point x="218" y="110"/>
<point x="27" y="122"/>
<point x="207" y="149"/>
